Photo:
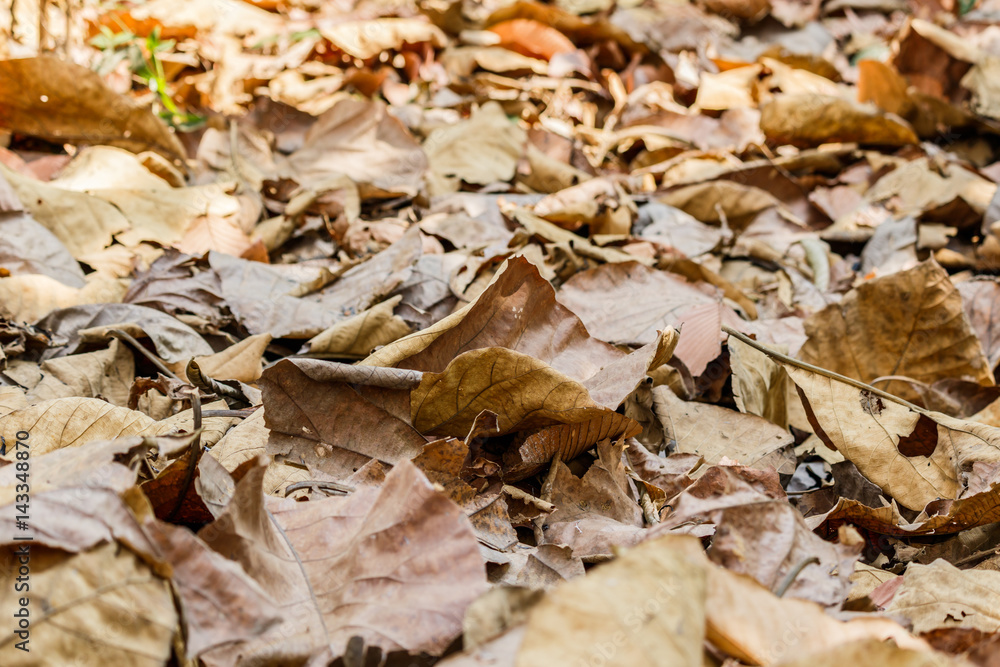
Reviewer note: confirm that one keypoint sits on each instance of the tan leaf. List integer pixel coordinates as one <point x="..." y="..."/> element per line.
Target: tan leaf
<point x="645" y="608"/>
<point x="811" y="120"/>
<point x="104" y="606"/>
<point x="483" y="149"/>
<point x="940" y="595"/>
<point x="760" y="386"/>
<point x="366" y="39"/>
<point x="29" y="298"/>
<point x="71" y="422"/>
<point x="83" y="224"/>
<point x="909" y="323"/>
<point x="524" y="392"/>
<point x="715" y="432"/>
<point x="357" y="336"/>
<point x="65" y="103"/>
<point x="107" y="374"/>
<point x="241" y="361"/>
<point x="248" y="440"/>
<point x="751" y="624"/>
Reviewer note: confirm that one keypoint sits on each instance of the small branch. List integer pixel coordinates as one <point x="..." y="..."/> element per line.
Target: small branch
<point x="526" y="497"/>
<point x="335" y="487"/>
<point x="194" y="456"/>
<point x="155" y="360"/>
<point x="789" y="579"/>
<point x="785" y="359"/>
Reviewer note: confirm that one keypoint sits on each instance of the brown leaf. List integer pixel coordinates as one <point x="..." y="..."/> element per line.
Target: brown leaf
<point x="811" y="120"/>
<point x="395" y="565"/>
<point x="517" y="311"/>
<point x="332" y="426"/>
<point x="910" y="323"/>
<point x="66" y="103"/>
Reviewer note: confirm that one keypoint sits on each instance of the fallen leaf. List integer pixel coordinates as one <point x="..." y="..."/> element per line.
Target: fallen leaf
<point x="355" y="580"/>
<point x="909" y="323"/>
<point x="66" y="103"/>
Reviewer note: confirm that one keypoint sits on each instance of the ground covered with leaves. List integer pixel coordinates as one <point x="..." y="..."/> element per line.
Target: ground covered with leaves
<point x="500" y="333"/>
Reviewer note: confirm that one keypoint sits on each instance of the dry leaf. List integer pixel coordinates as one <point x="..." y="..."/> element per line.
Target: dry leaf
<point x="355" y="579"/>
<point x="65" y="103"/>
<point x="910" y="323"/>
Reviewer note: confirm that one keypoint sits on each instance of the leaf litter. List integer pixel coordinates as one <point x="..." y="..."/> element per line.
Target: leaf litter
<point x="645" y="333"/>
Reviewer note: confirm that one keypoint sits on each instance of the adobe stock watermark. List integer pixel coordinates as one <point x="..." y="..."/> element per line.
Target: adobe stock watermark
<point x="605" y="651"/>
<point x="22" y="554"/>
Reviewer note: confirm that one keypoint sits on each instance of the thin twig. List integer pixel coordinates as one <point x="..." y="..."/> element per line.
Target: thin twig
<point x="155" y="360"/>
<point x="193" y="458"/>
<point x="336" y="487"/>
<point x="785" y="359"/>
<point x="526" y="497"/>
<point x="793" y="573"/>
